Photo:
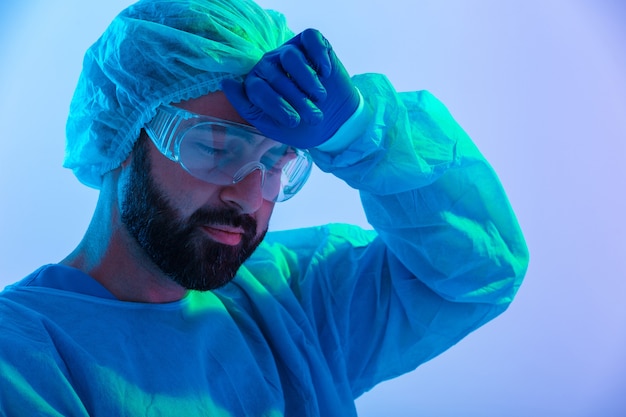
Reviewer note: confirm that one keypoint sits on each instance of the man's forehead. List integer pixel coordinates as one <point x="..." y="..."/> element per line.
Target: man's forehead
<point x="213" y="104"/>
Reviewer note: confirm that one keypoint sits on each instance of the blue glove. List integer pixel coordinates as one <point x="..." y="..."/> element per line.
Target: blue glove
<point x="299" y="94"/>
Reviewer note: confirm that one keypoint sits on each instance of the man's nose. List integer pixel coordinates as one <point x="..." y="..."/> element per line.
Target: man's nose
<point x="247" y="193"/>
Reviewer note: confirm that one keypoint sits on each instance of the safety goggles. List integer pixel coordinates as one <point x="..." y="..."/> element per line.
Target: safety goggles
<point x="222" y="152"/>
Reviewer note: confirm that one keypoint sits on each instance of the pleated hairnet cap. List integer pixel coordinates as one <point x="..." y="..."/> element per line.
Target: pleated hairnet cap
<point x="157" y="52"/>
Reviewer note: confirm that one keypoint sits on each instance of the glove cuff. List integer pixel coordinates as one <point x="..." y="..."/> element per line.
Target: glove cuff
<point x="351" y="129"/>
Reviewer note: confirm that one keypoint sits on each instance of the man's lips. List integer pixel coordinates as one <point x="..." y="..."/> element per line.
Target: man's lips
<point x="227" y="235"/>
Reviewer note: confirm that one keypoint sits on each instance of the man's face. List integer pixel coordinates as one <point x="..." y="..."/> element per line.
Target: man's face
<point x="196" y="233"/>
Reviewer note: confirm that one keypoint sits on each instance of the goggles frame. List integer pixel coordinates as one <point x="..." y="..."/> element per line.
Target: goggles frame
<point x="223" y="152"/>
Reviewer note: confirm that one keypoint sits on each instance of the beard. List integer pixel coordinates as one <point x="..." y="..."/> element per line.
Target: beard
<point x="178" y="246"/>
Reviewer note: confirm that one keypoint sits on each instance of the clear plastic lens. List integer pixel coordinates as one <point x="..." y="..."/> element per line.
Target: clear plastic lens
<point x="222" y="152"/>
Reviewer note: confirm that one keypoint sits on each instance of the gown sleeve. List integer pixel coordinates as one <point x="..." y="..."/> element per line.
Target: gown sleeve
<point x="446" y="254"/>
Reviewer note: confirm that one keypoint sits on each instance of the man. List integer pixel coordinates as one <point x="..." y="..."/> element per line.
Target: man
<point x="193" y="118"/>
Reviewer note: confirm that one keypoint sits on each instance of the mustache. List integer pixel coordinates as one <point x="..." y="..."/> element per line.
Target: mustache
<point x="226" y="216"/>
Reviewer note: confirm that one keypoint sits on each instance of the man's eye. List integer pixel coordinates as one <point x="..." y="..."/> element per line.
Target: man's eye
<point x="276" y="161"/>
<point x="209" y="150"/>
<point x="271" y="160"/>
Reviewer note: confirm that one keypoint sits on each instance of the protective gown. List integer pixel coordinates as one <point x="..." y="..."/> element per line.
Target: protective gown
<point x="314" y="318"/>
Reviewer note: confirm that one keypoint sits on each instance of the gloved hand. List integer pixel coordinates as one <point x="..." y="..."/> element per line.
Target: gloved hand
<point x="299" y="94"/>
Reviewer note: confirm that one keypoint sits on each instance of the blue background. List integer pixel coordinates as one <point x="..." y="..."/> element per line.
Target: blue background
<point x="538" y="84"/>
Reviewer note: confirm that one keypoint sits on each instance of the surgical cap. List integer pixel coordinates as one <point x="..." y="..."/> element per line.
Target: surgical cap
<point x="157" y="52"/>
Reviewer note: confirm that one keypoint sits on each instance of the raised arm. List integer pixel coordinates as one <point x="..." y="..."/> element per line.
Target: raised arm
<point x="447" y="254"/>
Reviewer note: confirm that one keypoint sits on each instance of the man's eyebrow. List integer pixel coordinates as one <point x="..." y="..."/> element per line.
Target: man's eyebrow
<point x="250" y="131"/>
